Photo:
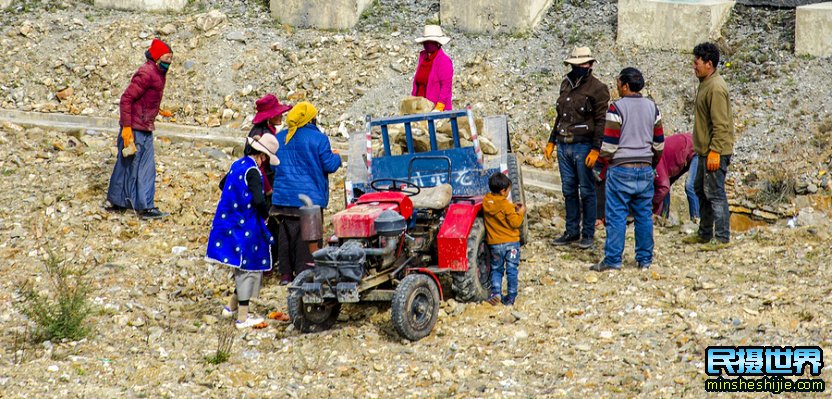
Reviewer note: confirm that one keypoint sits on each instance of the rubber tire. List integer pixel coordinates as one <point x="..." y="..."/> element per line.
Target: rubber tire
<point x="415" y="287"/>
<point x="322" y="320"/>
<point x="518" y="195"/>
<point x="474" y="284"/>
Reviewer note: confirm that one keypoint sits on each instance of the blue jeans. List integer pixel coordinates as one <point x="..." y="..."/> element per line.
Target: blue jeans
<point x="507" y="254"/>
<point x="629" y="190"/>
<point x="710" y="189"/>
<point x="690" y="192"/>
<point x="578" y="189"/>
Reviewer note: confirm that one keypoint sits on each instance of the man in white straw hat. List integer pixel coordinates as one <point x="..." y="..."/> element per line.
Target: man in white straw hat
<point x="577" y="134"/>
<point x="434" y="76"/>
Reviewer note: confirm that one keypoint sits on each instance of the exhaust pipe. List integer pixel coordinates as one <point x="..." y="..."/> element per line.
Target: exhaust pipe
<point x="305" y="199"/>
<point x="391" y="245"/>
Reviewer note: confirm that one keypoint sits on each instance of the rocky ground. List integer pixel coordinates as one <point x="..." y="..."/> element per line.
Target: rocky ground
<point x="572" y="333"/>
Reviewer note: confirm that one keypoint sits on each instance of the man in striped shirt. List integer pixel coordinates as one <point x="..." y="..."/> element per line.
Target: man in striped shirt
<point x="633" y="143"/>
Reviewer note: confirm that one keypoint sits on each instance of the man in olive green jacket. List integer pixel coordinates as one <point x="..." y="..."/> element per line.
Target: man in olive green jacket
<point x="713" y="142"/>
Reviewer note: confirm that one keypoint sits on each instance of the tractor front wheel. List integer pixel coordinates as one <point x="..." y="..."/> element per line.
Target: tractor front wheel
<point x="310" y="317"/>
<point x="415" y="306"/>
<point x="474" y="284"/>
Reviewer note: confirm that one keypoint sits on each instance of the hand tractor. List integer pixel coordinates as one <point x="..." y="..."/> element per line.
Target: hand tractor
<point x="412" y="232"/>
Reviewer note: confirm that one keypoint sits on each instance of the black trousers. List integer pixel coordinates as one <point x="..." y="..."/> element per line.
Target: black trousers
<point x="293" y="254"/>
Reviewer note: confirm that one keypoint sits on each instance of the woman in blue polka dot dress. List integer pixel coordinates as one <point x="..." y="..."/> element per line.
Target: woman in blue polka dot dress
<point x="239" y="237"/>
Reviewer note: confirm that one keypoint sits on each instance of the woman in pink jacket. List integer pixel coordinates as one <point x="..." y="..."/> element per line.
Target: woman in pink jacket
<point x="435" y="74"/>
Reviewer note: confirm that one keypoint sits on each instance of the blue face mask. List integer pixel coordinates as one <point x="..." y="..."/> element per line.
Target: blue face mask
<point x="164" y="66"/>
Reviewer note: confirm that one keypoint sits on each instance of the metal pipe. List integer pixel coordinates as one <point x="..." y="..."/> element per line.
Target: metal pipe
<point x="402" y="266"/>
<point x="474" y="135"/>
<point x="305" y="199"/>
<point x="387" y="250"/>
<point x="368" y="142"/>
<point x="391" y="245"/>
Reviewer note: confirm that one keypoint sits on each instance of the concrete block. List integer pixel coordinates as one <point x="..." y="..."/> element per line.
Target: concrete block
<point x="143" y="5"/>
<point x="813" y="30"/>
<point x="671" y="24"/>
<point x="321" y="14"/>
<point x="492" y="16"/>
<point x="778" y="3"/>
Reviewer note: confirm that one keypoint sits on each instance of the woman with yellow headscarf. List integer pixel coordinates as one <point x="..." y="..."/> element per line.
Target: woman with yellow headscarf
<point x="306" y="160"/>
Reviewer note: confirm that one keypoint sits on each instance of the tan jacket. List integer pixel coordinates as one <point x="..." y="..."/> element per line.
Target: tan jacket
<point x="502" y="222"/>
<point x="713" y="123"/>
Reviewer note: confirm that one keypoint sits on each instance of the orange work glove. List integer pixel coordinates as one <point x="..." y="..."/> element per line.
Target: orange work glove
<point x="550" y="148"/>
<point x="165" y="113"/>
<point x="439" y="107"/>
<point x="129" y="143"/>
<point x="591" y="158"/>
<point x="713" y="161"/>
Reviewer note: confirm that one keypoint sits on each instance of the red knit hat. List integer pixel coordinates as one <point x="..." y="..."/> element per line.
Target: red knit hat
<point x="158" y="48"/>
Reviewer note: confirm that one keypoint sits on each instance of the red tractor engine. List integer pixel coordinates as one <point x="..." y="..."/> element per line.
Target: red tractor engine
<point x="369" y="235"/>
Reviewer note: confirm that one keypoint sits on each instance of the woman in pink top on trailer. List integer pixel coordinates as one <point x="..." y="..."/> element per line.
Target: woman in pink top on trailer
<point x="435" y="74"/>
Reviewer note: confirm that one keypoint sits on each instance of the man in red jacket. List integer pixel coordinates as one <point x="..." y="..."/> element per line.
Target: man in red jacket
<point x="133" y="182"/>
<point x="677" y="158"/>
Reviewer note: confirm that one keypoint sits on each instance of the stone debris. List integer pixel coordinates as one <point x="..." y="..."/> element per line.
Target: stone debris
<point x="570" y="332"/>
<point x="159" y="301"/>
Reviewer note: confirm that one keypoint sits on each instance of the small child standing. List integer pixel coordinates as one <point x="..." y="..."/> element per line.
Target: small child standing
<point x="502" y="233"/>
<point x="239" y="237"/>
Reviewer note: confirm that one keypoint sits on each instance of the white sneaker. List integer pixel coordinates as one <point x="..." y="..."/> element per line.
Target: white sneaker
<point x="250" y="322"/>
<point x="227" y="312"/>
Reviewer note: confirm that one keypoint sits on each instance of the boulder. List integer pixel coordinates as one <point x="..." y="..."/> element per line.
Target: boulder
<point x="487" y="147"/>
<point x="210" y="20"/>
<point x="415" y="105"/>
<point x="463" y="125"/>
<point x="809" y="217"/>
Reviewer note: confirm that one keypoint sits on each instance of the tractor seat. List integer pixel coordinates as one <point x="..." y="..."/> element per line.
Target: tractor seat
<point x="437" y="197"/>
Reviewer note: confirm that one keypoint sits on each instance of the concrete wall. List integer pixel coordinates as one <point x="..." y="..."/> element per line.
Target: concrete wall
<point x="321" y="14"/>
<point x="778" y="3"/>
<point x="813" y="30"/>
<point x="671" y="25"/>
<point x="143" y="5"/>
<point x="492" y="16"/>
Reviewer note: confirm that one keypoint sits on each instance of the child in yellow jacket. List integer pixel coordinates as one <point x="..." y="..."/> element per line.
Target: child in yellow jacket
<point x="502" y="234"/>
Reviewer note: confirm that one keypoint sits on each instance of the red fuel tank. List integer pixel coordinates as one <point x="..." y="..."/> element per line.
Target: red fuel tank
<point x="359" y="221"/>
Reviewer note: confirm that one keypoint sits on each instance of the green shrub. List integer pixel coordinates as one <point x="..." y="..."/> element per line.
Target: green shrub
<point x="225" y="340"/>
<point x="61" y="314"/>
